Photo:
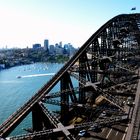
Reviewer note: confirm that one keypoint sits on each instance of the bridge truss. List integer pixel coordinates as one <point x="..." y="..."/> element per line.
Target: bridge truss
<point x="98" y="88"/>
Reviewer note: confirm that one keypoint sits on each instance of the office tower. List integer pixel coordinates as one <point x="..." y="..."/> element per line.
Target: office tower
<point x="60" y="44"/>
<point x="58" y="49"/>
<point x="36" y="46"/>
<point x="52" y="50"/>
<point x="46" y="44"/>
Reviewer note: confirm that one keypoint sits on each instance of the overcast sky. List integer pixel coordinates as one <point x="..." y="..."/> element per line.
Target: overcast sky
<point x="25" y="22"/>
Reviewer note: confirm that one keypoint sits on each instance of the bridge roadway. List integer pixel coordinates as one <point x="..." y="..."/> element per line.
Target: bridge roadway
<point x="134" y="127"/>
<point x="116" y="132"/>
<point x="100" y="123"/>
<point x="122" y="131"/>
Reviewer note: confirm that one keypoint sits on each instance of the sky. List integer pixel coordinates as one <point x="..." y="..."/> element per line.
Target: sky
<point x="26" y="22"/>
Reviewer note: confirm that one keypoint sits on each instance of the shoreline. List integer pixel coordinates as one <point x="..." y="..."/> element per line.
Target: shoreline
<point x="1" y="69"/>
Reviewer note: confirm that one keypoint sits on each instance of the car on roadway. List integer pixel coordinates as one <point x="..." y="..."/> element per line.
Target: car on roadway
<point x="83" y="133"/>
<point x="102" y="115"/>
<point x="95" y="128"/>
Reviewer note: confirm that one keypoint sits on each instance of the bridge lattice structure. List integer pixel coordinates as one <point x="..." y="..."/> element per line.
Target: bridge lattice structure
<point x="102" y="76"/>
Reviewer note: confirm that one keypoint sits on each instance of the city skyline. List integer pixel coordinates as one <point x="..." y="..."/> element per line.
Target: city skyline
<point x="25" y="22"/>
<point x="46" y="44"/>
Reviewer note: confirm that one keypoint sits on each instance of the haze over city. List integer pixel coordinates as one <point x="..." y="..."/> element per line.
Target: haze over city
<point x="25" y="22"/>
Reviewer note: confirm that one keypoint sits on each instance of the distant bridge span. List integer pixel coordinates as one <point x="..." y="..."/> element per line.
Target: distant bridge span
<point x="106" y="64"/>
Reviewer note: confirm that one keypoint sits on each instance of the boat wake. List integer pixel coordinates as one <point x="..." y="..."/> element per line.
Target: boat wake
<point x="36" y="75"/>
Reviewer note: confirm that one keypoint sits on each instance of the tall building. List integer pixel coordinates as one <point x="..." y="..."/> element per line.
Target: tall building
<point x="52" y="50"/>
<point x="58" y="49"/>
<point x="36" y="46"/>
<point x="69" y="49"/>
<point x="60" y="44"/>
<point x="46" y="44"/>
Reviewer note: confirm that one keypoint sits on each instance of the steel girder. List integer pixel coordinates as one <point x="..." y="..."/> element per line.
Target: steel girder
<point x="114" y="47"/>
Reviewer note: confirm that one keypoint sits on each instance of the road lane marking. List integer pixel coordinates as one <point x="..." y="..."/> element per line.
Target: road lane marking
<point x="108" y="134"/>
<point x="103" y="130"/>
<point x="123" y="137"/>
<point x="124" y="133"/>
<point x="126" y="129"/>
<point x="117" y="133"/>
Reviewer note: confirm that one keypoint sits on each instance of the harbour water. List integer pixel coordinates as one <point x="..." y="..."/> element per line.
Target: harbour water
<point x="18" y="84"/>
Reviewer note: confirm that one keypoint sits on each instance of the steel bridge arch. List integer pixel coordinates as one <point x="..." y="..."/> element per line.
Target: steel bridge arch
<point x="108" y="60"/>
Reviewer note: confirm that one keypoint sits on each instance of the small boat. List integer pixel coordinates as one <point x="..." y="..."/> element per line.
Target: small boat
<point x="18" y="77"/>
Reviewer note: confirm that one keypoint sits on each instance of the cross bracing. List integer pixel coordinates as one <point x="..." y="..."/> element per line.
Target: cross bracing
<point x="106" y="68"/>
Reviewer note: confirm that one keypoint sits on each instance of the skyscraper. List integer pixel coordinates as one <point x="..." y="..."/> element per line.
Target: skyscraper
<point x="46" y="44"/>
